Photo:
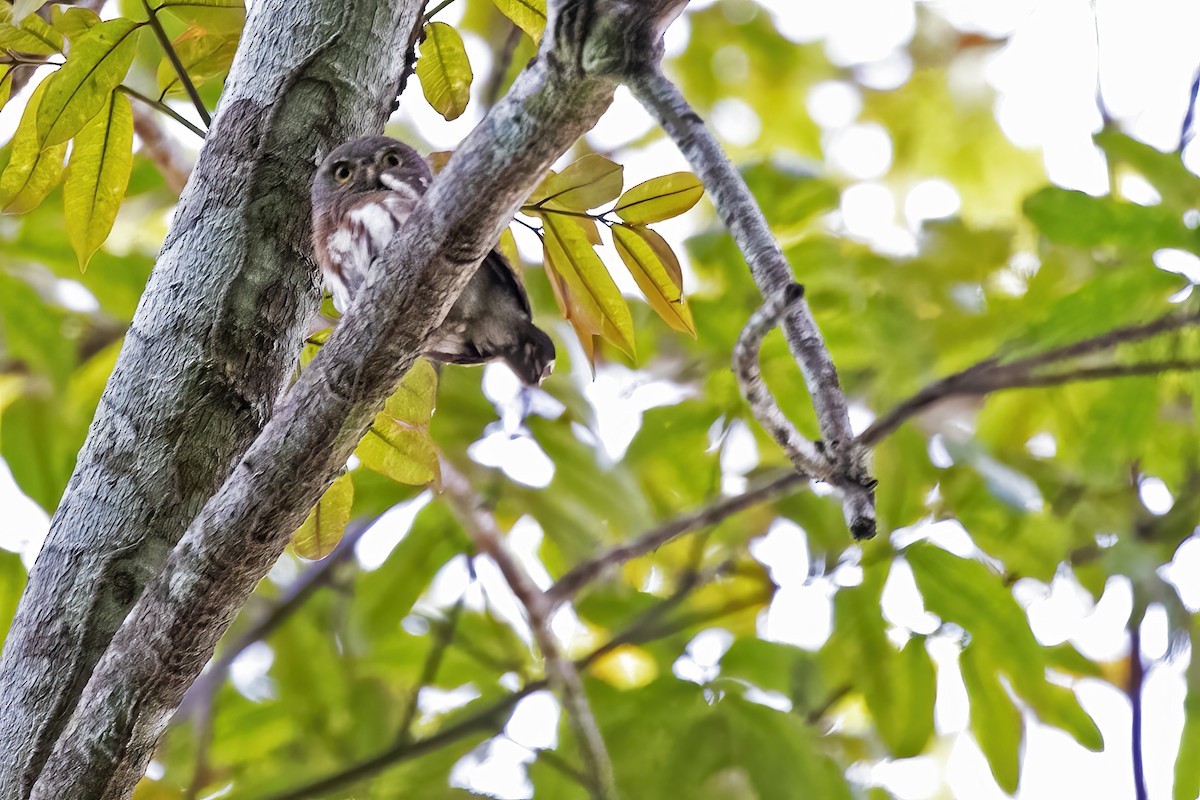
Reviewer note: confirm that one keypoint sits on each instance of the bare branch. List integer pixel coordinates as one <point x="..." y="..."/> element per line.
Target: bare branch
<point x="180" y="71"/>
<point x="564" y="677"/>
<point x="993" y="375"/>
<point x="802" y="452"/>
<point x="746" y="223"/>
<point x="584" y="573"/>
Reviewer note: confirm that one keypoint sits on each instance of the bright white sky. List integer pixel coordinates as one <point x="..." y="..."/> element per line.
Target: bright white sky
<point x="1045" y="77"/>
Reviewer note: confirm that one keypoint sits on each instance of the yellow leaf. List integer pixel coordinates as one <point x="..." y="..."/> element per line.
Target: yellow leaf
<point x="625" y="667"/>
<point x="204" y="56"/>
<point x="326" y="523"/>
<point x="32" y="172"/>
<point x="404" y="453"/>
<point x="73" y="22"/>
<point x="508" y="247"/>
<point x="80" y="88"/>
<point x="591" y="295"/>
<point x="444" y="70"/>
<point x="416" y="397"/>
<point x="97" y="176"/>
<point x="653" y="265"/>
<point x="589" y="182"/>
<point x="5" y="83"/>
<point x="660" y="198"/>
<point x="528" y="15"/>
<point x="32" y="35"/>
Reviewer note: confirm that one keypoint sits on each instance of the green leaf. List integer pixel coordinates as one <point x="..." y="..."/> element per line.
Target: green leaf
<point x="12" y="583"/>
<point x="444" y="70"/>
<point x="1165" y="171"/>
<point x="654" y="266"/>
<point x="32" y="35"/>
<point x="402" y="452"/>
<point x="1187" y="766"/>
<point x="772" y="666"/>
<point x="660" y="198"/>
<point x="592" y="301"/>
<point x="73" y="22"/>
<point x="97" y="176"/>
<point x="32" y="172"/>
<point x="327" y="521"/>
<point x="385" y="596"/>
<point x="995" y="722"/>
<point x="528" y="15"/>
<point x="899" y="687"/>
<point x="966" y="592"/>
<point x="204" y="56"/>
<point x="588" y="183"/>
<point x="416" y="397"/>
<point x="80" y="88"/>
<point x="1077" y="219"/>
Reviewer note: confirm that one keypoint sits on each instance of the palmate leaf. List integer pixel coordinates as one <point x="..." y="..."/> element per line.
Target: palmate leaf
<point x="97" y="176"/>
<point x="326" y="523"/>
<point x="204" y="56"/>
<point x="656" y="270"/>
<point x="32" y="172"/>
<point x="528" y="15"/>
<point x="80" y="88"/>
<point x="444" y="70"/>
<point x="660" y="198"/>
<point x="590" y="298"/>
<point x="32" y="35"/>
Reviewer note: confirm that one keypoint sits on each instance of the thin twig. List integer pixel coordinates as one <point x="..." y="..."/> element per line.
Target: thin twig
<point x="491" y="92"/>
<point x="560" y="670"/>
<point x="802" y="452"/>
<point x="172" y="164"/>
<point x="584" y="573"/>
<point x="993" y="375"/>
<point x="1137" y="676"/>
<point x="433" y="662"/>
<point x="173" y="57"/>
<point x="436" y="9"/>
<point x="771" y="271"/>
<point x="644" y="628"/>
<point x="164" y="108"/>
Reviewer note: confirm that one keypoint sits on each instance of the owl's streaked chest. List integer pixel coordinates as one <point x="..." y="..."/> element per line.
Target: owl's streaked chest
<point x="352" y="237"/>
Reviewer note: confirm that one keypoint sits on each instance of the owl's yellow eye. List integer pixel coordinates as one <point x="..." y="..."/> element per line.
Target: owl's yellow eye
<point x="391" y="159"/>
<point x="342" y="172"/>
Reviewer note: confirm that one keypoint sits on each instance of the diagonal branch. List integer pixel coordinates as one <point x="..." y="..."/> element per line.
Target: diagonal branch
<point x="560" y="670"/>
<point x="993" y="375"/>
<point x="176" y="64"/>
<point x="746" y="223"/>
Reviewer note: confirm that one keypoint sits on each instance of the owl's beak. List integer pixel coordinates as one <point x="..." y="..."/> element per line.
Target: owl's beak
<point x="390" y="180"/>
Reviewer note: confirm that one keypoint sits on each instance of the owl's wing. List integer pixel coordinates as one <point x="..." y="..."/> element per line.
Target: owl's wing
<point x="505" y="275"/>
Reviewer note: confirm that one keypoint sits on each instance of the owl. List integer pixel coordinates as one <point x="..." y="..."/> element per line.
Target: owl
<point x="362" y="194"/>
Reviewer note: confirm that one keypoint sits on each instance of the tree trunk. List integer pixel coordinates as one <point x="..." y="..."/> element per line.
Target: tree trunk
<point x="214" y="342"/>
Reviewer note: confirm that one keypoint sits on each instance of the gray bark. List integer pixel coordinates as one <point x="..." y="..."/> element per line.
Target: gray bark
<point x="214" y="341"/>
<point x="172" y="630"/>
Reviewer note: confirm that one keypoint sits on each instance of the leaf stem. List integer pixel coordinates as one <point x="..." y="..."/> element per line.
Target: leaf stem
<point x="164" y="108"/>
<point x="430" y="15"/>
<point x="173" y="57"/>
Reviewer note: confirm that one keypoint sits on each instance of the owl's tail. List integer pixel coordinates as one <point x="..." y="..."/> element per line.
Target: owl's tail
<point x="532" y="358"/>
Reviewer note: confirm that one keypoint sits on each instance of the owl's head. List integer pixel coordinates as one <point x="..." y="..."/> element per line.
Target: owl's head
<point x="370" y="164"/>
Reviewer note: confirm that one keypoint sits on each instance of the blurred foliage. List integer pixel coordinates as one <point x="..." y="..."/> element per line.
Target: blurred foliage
<point x="1045" y="482"/>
